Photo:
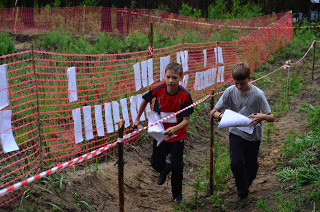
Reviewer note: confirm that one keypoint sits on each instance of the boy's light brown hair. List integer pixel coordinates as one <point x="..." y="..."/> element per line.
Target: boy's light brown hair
<point x="175" y="68"/>
<point x="241" y="71"/>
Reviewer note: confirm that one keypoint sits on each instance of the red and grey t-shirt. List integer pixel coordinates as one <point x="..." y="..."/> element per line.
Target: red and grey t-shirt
<point x="166" y="104"/>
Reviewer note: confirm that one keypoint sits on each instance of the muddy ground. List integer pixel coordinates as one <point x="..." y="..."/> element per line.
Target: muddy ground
<point x="99" y="189"/>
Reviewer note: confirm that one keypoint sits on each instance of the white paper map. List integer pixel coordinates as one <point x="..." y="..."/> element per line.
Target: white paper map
<point x="6" y="136"/>
<point x="233" y="119"/>
<point x="157" y="130"/>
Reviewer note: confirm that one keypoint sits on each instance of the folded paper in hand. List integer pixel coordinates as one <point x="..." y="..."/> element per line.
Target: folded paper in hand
<point x="156" y="131"/>
<point x="233" y="119"/>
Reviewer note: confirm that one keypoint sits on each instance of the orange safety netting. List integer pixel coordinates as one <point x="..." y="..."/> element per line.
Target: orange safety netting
<point x="42" y="121"/>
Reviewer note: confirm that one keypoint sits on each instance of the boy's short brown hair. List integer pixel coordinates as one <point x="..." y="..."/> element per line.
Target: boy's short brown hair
<point x="241" y="71"/>
<point x="175" y="68"/>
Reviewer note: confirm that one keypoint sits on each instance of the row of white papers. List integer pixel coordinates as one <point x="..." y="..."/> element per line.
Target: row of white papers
<point x="182" y="58"/>
<point x="6" y="136"/>
<point x="146" y="73"/>
<point x="112" y="115"/>
<point x="207" y="78"/>
<point x="218" y="54"/>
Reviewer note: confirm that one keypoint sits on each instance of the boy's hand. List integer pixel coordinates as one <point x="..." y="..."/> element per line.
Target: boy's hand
<point x="257" y="118"/>
<point x="135" y="125"/>
<point x="170" y="131"/>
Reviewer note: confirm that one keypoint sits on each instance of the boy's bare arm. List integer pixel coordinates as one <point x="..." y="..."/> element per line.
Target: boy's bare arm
<point x="258" y="117"/>
<point x="172" y="130"/>
<point x="142" y="107"/>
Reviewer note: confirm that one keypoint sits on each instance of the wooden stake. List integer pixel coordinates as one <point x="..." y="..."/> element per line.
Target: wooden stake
<point x="120" y="165"/>
<point x="151" y="38"/>
<point x="314" y="58"/>
<point x="288" y="80"/>
<point x="211" y="142"/>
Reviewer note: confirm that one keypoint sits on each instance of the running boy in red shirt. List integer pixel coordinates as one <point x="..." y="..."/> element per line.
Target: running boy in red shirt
<point x="170" y="97"/>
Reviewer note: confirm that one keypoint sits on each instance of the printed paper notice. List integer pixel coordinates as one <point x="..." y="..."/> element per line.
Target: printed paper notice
<point x="115" y="113"/>
<point x="72" y="84"/>
<point x="144" y="72"/>
<point x="139" y="96"/>
<point x="220" y="77"/>
<point x="125" y="113"/>
<point x="76" y="115"/>
<point x="133" y="107"/>
<point x="4" y="94"/>
<point x="99" y="121"/>
<point x="108" y="115"/>
<point x="88" y="122"/>
<point x="137" y="77"/>
<point x="204" y="58"/>
<point x="6" y="136"/>
<point x="150" y="71"/>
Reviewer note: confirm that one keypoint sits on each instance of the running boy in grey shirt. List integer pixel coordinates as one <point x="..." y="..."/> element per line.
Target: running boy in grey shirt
<point x="250" y="101"/>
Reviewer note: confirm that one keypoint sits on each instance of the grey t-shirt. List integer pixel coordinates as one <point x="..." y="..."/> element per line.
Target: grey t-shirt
<point x="254" y="101"/>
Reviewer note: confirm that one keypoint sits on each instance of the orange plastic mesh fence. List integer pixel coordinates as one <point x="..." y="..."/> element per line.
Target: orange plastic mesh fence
<point x="39" y="93"/>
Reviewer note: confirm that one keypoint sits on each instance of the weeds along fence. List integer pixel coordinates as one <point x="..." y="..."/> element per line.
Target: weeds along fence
<point x="44" y="123"/>
<point x="93" y="20"/>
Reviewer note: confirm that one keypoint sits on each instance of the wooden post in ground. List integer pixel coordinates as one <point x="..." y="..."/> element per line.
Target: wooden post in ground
<point x="211" y="141"/>
<point x="151" y="40"/>
<point x="288" y="80"/>
<point x="314" y="58"/>
<point x="120" y="165"/>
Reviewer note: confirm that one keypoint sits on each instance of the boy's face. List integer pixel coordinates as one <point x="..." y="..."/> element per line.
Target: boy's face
<point x="172" y="80"/>
<point x="243" y="85"/>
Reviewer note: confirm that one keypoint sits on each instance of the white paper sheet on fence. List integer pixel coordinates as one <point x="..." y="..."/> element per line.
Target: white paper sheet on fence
<point x="157" y="130"/>
<point x="220" y="57"/>
<point x="76" y="115"/>
<point x="234" y="119"/>
<point x="209" y="77"/>
<point x="204" y="58"/>
<point x="6" y="136"/>
<point x="125" y="113"/>
<point x="196" y="82"/>
<point x="201" y="80"/>
<point x="184" y="60"/>
<point x="133" y="107"/>
<point x="150" y="71"/>
<point x="220" y="77"/>
<point x="178" y="58"/>
<point x="139" y="100"/>
<point x="4" y="94"/>
<point x="184" y="82"/>
<point x="144" y="72"/>
<point x="99" y="121"/>
<point x="205" y="77"/>
<point x="213" y="75"/>
<point x="137" y="77"/>
<point x="87" y="122"/>
<point x="116" y="114"/>
<point x="108" y="117"/>
<point x="72" y="84"/>
<point x="162" y="66"/>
